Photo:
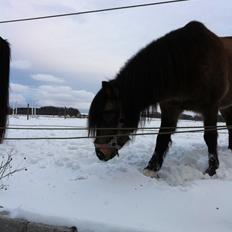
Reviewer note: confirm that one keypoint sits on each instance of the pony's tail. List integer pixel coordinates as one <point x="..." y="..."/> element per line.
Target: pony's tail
<point x="4" y="85"/>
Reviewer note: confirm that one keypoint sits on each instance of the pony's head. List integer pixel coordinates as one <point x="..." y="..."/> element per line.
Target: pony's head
<point x="106" y="122"/>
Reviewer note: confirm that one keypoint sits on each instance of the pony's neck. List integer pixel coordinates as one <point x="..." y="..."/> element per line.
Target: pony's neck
<point x="142" y="81"/>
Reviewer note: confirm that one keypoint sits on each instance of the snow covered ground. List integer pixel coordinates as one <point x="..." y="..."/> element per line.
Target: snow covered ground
<point x="67" y="185"/>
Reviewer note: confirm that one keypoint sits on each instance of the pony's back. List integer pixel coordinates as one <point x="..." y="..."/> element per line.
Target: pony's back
<point x="227" y="43"/>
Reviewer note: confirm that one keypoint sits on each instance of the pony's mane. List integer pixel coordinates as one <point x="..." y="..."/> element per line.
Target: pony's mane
<point x="95" y="113"/>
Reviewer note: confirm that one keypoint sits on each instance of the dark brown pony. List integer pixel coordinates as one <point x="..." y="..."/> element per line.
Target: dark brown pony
<point x="187" y="69"/>
<point x="4" y="84"/>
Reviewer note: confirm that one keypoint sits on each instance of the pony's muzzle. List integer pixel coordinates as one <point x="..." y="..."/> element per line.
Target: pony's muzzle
<point x="106" y="154"/>
<point x="100" y="155"/>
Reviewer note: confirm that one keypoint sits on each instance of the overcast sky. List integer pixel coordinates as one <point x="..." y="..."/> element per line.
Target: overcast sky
<point x="62" y="61"/>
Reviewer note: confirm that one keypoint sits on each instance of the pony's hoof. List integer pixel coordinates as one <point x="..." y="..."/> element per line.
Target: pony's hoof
<point x="150" y="173"/>
<point x="210" y="171"/>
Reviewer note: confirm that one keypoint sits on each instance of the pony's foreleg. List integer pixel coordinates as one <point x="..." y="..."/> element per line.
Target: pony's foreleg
<point x="210" y="137"/>
<point x="168" y="125"/>
<point x="227" y="115"/>
<point x="156" y="161"/>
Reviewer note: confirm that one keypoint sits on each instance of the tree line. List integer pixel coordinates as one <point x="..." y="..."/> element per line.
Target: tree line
<point x="46" y="110"/>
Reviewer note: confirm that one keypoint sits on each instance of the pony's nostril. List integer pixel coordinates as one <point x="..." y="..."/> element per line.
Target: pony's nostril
<point x="114" y="144"/>
<point x="100" y="155"/>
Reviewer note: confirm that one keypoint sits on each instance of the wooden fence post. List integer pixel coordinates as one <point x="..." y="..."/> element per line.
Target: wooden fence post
<point x="28" y="111"/>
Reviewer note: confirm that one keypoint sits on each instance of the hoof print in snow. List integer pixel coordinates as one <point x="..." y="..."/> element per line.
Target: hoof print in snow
<point x="150" y="173"/>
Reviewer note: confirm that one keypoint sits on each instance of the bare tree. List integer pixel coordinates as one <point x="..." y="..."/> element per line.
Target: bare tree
<point x="6" y="169"/>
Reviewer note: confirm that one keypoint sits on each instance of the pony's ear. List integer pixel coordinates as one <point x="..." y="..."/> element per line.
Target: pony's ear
<point x="107" y="87"/>
<point x="105" y="84"/>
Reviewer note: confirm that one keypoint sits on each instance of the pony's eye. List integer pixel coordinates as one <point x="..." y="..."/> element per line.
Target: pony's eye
<point x="121" y="120"/>
<point x="109" y="115"/>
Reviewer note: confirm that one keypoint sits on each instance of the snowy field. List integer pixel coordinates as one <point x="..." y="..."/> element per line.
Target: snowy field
<point x="65" y="183"/>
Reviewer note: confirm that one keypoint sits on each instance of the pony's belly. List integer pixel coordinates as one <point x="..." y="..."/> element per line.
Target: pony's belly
<point x="196" y="105"/>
